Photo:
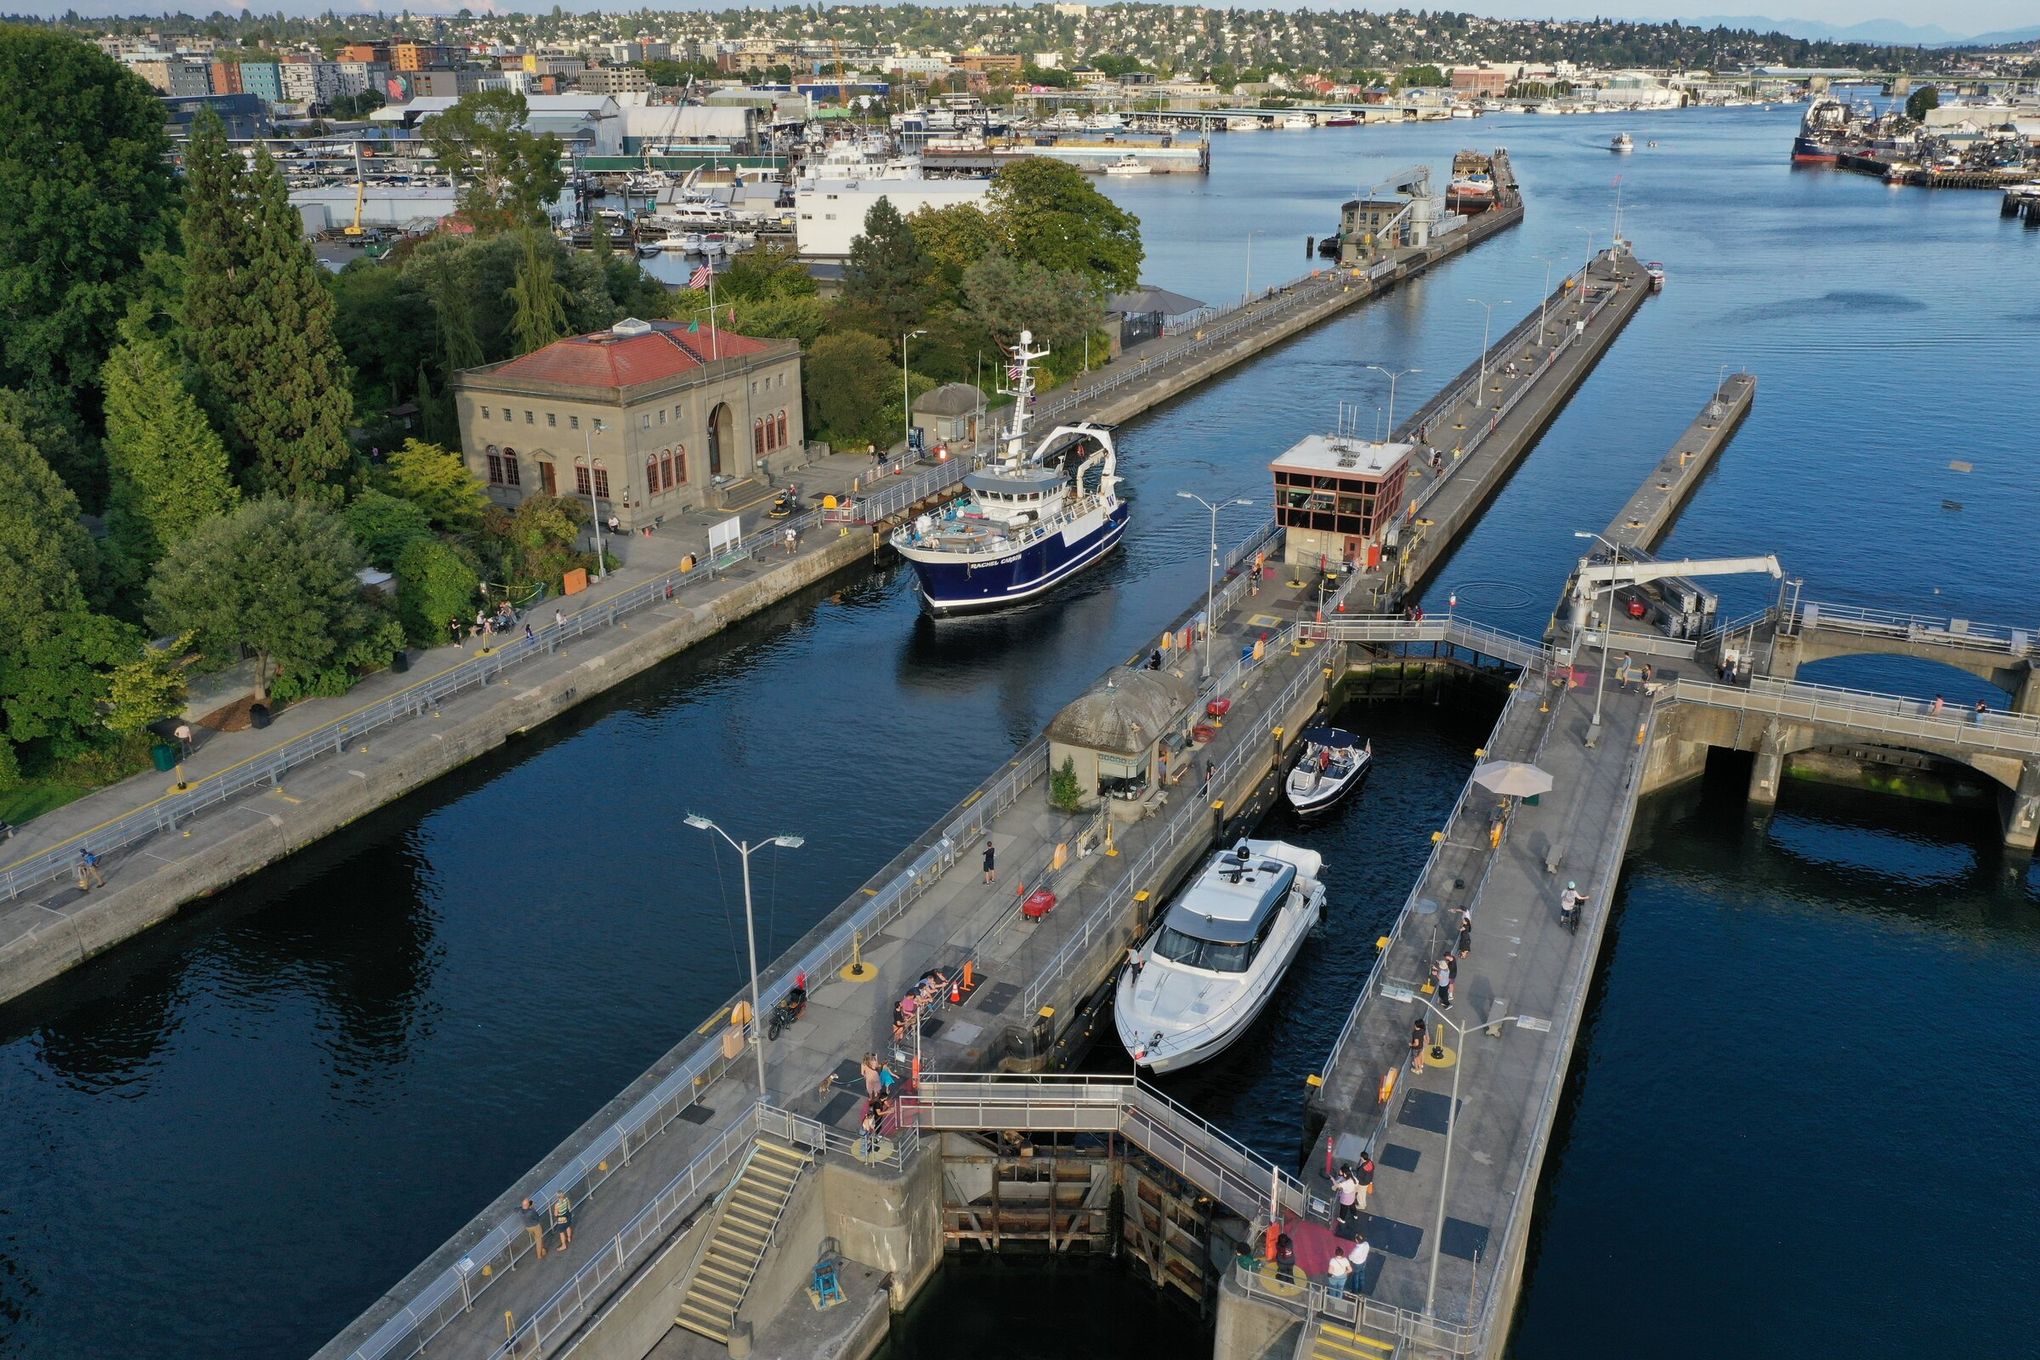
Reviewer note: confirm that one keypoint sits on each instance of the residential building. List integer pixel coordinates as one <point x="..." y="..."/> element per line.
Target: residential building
<point x="1479" y="80"/>
<point x="553" y="64"/>
<point x="611" y="80"/>
<point x="375" y="52"/>
<point x="451" y="85"/>
<point x="417" y="56"/>
<point x="991" y="63"/>
<point x="226" y="77"/>
<point x="357" y="77"/>
<point x="829" y="214"/>
<point x="174" y="75"/>
<point x="622" y="52"/>
<point x="647" y="419"/>
<point x="263" y="79"/>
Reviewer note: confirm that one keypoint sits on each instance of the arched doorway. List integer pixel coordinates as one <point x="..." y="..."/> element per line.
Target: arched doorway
<point x="718" y="437"/>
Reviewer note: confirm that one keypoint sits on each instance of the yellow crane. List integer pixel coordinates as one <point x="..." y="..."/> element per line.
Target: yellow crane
<point x="360" y="198"/>
<point x="842" y="86"/>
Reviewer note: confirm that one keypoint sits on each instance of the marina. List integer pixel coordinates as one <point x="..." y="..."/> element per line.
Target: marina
<point x="817" y="630"/>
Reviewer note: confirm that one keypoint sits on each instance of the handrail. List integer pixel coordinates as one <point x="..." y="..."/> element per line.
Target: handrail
<point x="1313" y="1302"/>
<point x="1934" y="629"/>
<point x="1460" y="632"/>
<point x="1886" y="714"/>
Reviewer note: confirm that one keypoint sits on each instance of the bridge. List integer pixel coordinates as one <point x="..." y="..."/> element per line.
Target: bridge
<point x="1809" y="631"/>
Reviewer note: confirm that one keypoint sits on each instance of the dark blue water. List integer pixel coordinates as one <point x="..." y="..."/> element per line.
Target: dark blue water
<point x="233" y="1134"/>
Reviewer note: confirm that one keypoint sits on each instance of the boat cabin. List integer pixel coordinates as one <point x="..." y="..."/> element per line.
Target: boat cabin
<point x="1338" y="497"/>
<point x="1020" y="495"/>
<point x="1219" y="922"/>
<point x="1115" y="736"/>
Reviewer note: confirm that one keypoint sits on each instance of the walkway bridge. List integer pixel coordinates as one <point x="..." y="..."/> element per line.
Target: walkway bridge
<point x="1807" y="632"/>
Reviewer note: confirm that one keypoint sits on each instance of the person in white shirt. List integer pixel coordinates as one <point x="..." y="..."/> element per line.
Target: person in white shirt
<point x="1356" y="1257"/>
<point x="1336" y="1271"/>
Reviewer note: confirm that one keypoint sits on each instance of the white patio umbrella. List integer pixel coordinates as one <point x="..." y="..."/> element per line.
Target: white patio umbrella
<point x="1511" y="778"/>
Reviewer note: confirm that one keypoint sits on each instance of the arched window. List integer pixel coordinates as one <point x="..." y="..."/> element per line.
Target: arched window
<point x="651" y="474"/>
<point x="666" y="469"/>
<point x="680" y="463"/>
<point x="757" y="437"/>
<point x="782" y="428"/>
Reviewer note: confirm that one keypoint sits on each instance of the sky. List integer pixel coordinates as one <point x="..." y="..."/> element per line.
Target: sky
<point x="1962" y="17"/>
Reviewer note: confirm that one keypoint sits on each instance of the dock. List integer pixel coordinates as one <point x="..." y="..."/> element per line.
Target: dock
<point x="656" y="1157"/>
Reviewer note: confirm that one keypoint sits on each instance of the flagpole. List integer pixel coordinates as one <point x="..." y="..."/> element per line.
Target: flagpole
<point x="714" y="343"/>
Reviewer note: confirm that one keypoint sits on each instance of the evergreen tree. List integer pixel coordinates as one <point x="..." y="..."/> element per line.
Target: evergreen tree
<point x="887" y="273"/>
<point x="540" y="301"/>
<point x="169" y="469"/>
<point x="260" y="322"/>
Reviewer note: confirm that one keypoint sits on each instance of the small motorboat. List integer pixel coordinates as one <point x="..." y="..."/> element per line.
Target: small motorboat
<point x="1128" y="165"/>
<point x="1655" y="271"/>
<point x="1219" y="954"/>
<point x="1334" y="763"/>
<point x="647" y="249"/>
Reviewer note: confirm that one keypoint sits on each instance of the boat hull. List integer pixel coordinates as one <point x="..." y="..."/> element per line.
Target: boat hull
<point x="952" y="587"/>
<point x="1327" y="795"/>
<point x="1807" y="151"/>
<point x="1176" y="1060"/>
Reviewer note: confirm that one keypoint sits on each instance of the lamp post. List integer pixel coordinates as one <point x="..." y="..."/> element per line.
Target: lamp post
<point x="1480" y="393"/>
<point x="1248" y="295"/>
<point x="1210" y="570"/>
<point x="1398" y="993"/>
<point x="594" y="511"/>
<point x="1544" y="301"/>
<point x="744" y="849"/>
<point x="1601" y="677"/>
<point x="1392" y="375"/>
<point x="906" y="402"/>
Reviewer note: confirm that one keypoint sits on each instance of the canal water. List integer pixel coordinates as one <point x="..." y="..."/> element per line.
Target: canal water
<point x="1809" y="1058"/>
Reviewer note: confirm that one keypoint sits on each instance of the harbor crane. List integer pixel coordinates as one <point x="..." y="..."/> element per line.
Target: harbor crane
<point x="1595" y="579"/>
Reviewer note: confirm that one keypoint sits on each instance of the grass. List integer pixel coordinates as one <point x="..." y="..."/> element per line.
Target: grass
<point x="33" y="797"/>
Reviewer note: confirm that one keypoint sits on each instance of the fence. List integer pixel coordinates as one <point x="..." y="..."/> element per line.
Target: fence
<point x="1888" y="716"/>
<point x="1313" y="1303"/>
<point x="1882" y="623"/>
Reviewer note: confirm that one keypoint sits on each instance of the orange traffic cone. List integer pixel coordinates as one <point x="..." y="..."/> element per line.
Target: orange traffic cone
<point x="955" y="992"/>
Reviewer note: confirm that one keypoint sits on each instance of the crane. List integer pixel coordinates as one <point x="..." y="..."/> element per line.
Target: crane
<point x="356" y="231"/>
<point x="1594" y="579"/>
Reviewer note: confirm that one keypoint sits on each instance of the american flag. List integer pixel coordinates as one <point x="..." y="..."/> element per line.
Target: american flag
<point x="700" y="277"/>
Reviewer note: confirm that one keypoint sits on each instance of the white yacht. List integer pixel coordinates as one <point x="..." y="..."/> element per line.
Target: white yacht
<point x="1219" y="954"/>
<point x="1129" y="164"/>
<point x="1297" y="122"/>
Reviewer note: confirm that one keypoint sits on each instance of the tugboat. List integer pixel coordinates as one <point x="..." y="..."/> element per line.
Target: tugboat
<point x="1026" y="523"/>
<point x="1219" y="954"/>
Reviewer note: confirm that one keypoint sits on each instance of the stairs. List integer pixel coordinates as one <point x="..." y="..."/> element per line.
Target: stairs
<point x="751" y="1210"/>
<point x="1330" y="1340"/>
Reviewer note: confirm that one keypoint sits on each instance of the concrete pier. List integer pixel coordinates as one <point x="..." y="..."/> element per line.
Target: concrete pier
<point x="1648" y="515"/>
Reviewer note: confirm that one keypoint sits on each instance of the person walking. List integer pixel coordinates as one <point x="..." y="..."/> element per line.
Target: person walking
<point x="184" y="742"/>
<point x="1624" y="673"/>
<point x="1336" y="1271"/>
<point x="1417" y="1043"/>
<point x="89" y="876"/>
<point x="1465" y="934"/>
<point x="1442" y="977"/>
<point x="563" y="1219"/>
<point x="1365" y="1175"/>
<point x="991" y="863"/>
<point x="534" y="1223"/>
<point x="1285" y="1259"/>
<point x="868" y="1069"/>
<point x="454" y="630"/>
<point x="1939" y="705"/>
<point x="1347" y="1188"/>
<point x="792" y="540"/>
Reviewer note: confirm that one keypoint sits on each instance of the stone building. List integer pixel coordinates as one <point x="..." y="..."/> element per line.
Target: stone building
<point x="649" y="418"/>
<point x="1115" y="737"/>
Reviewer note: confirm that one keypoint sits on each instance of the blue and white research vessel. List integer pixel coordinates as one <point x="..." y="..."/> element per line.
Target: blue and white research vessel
<point x="1022" y="526"/>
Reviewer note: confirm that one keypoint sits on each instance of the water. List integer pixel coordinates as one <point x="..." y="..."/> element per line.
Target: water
<point x="233" y="1134"/>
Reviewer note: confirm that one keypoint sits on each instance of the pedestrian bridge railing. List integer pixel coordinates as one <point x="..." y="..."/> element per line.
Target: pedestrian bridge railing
<point x="1888" y="717"/>
<point x="1451" y="629"/>
<point x="1812" y="616"/>
<point x="1313" y="1303"/>
<point x="1194" y="1148"/>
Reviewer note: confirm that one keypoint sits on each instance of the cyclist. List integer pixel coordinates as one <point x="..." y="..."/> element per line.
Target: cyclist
<point x="1569" y="903"/>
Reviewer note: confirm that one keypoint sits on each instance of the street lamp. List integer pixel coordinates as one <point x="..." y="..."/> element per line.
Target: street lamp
<point x="1601" y="678"/>
<point x="1248" y="296"/>
<point x="906" y="402"/>
<point x="1210" y="570"/>
<point x="1397" y="993"/>
<point x="1544" y="301"/>
<point x="594" y="511"/>
<point x="744" y="849"/>
<point x="1489" y="309"/>
<point x="1392" y="375"/>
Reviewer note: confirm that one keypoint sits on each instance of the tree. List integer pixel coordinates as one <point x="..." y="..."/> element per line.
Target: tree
<point x="149" y="686"/>
<point x="769" y="271"/>
<point x="85" y="177"/>
<point x="1007" y="296"/>
<point x="507" y="177"/>
<point x="886" y="274"/>
<point x="259" y="322"/>
<point x="953" y="238"/>
<point x="1920" y="101"/>
<point x="169" y="470"/>
<point x="443" y="271"/>
<point x="541" y="304"/>
<point x="851" y="384"/>
<point x="384" y="525"/>
<point x="436" y="481"/>
<point x="1421" y="77"/>
<point x="535" y="543"/>
<point x="434" y="583"/>
<point x="1048" y="212"/>
<point x="386" y="326"/>
<point x="804" y="319"/>
<point x="276" y="577"/>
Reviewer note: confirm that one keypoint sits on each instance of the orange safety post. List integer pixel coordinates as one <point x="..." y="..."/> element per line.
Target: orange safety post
<point x="1381" y="1096"/>
<point x="969" y="971"/>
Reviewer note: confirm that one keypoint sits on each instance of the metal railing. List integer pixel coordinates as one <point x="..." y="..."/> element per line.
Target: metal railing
<point x="1883" y="715"/>
<point x="1191" y="1146"/>
<point x="1451" y="629"/>
<point x="1931" y="629"/>
<point x="1314" y="1303"/>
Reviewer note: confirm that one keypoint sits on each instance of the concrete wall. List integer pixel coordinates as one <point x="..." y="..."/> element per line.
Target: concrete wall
<point x="890" y="1219"/>
<point x="631" y="1323"/>
<point x="1246" y="1328"/>
<point x="130" y="905"/>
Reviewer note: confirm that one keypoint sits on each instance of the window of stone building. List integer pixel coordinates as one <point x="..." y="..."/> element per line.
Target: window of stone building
<point x="552" y="420"/>
<point x="529" y="419"/>
<point x="573" y="422"/>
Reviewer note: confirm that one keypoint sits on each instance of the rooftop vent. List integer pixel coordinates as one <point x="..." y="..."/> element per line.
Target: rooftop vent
<point x="630" y="325"/>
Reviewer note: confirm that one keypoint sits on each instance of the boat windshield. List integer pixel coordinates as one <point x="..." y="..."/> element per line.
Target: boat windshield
<point x="1212" y="955"/>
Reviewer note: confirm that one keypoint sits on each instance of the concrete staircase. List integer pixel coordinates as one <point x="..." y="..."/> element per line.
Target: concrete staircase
<point x="752" y="1207"/>
<point x="1328" y="1340"/>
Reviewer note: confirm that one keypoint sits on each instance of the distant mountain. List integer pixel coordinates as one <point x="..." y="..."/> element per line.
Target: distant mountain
<point x="1888" y="32"/>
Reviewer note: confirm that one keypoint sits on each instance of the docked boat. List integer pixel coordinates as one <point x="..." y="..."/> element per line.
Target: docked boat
<point x="1128" y="165"/>
<point x="1333" y="764"/>
<point x="1622" y="145"/>
<point x="1219" y="954"/>
<point x="1470" y="194"/>
<point x="647" y="249"/>
<point x="1026" y="522"/>
<point x="1296" y="122"/>
<point x="1655" y="271"/>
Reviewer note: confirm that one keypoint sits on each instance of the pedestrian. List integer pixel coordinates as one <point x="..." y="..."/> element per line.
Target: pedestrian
<point x="868" y="1145"/>
<point x="1465" y="934"/>
<point x="887" y="1079"/>
<point x="89" y="876"/>
<point x="534" y="1223"/>
<point x="792" y="540"/>
<point x="1208" y="772"/>
<point x="1356" y="1256"/>
<point x="529" y="636"/>
<point x="453" y="628"/>
<point x="1347" y="1188"/>
<point x="1285" y="1259"/>
<point x="184" y="741"/>
<point x="1939" y="705"/>
<point x="1260" y="560"/>
<point x="1365" y="1175"/>
<point x="869" y="1070"/>
<point x="1417" y="1038"/>
<point x="1133" y="958"/>
<point x="1649" y="676"/>
<point x="1622" y="674"/>
<point x="991" y="863"/>
<point x="1982" y="712"/>
<point x="1336" y="1271"/>
<point x="1451" y="962"/>
<point x="481" y="624"/>
<point x="1441" y="977"/>
<point x="563" y="1219"/>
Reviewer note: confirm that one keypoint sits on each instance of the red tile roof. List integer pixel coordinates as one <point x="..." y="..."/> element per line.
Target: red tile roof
<point x="607" y="359"/>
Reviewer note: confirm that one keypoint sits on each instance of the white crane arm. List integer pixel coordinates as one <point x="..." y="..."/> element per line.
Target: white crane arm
<point x="1592" y="580"/>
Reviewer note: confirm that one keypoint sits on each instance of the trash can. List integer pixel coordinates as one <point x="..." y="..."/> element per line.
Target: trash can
<point x="258" y="715"/>
<point x="401" y="662"/>
<point x="164" y="755"/>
